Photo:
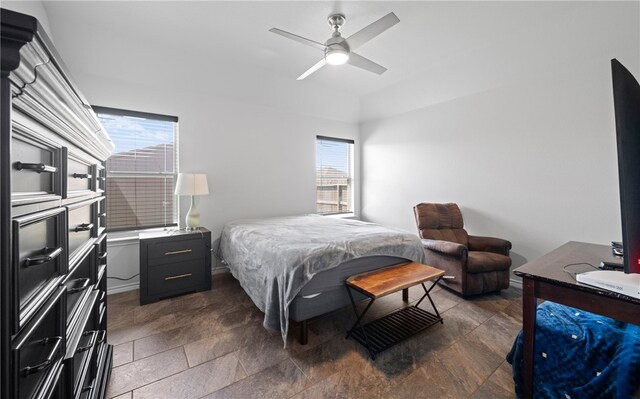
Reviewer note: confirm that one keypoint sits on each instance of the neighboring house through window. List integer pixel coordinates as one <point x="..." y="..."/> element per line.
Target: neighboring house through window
<point x="334" y="175"/>
<point x="142" y="171"/>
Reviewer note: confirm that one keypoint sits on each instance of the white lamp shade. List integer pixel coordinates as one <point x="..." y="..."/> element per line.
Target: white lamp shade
<point x="192" y="184"/>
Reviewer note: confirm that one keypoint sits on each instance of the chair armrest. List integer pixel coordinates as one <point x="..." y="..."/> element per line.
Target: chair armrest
<point x="445" y="247"/>
<point x="489" y="244"/>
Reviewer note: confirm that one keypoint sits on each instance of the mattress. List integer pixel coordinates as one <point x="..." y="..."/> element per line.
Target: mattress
<point x="275" y="259"/>
<point x="326" y="291"/>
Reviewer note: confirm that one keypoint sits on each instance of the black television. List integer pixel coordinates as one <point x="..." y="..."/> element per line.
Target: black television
<point x="626" y="101"/>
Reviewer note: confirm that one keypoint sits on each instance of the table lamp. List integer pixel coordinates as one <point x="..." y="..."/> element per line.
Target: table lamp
<point x="192" y="184"/>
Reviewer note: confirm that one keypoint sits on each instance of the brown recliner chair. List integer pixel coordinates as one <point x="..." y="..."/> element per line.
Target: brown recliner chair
<point x="478" y="264"/>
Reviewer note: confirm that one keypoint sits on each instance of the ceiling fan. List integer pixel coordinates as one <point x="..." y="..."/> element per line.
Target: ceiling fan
<point x="338" y="50"/>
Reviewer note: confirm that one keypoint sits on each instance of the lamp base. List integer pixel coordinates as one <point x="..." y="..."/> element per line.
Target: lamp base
<point x="192" y="221"/>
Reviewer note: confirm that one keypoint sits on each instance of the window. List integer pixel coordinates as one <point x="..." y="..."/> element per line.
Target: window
<point x="334" y="175"/>
<point x="142" y="171"/>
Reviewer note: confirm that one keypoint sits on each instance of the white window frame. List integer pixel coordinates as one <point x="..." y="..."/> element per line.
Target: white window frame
<point x="174" y="174"/>
<point x="350" y="183"/>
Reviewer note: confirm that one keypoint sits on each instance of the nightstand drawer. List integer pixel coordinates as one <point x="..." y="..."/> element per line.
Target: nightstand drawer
<point x="167" y="279"/>
<point x="175" y="251"/>
<point x="173" y="263"/>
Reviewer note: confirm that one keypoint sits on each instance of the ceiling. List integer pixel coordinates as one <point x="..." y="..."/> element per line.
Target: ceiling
<point x="226" y="48"/>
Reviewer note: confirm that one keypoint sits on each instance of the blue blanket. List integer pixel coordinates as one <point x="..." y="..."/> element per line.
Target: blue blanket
<point x="580" y="355"/>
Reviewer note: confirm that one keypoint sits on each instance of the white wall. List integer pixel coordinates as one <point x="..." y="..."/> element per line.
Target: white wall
<point x="253" y="137"/>
<point x="518" y="132"/>
<point x="530" y="158"/>
<point x="123" y="259"/>
<point x="260" y="161"/>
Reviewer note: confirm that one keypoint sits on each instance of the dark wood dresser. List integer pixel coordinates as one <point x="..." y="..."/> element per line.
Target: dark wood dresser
<point x="173" y="263"/>
<point x="53" y="246"/>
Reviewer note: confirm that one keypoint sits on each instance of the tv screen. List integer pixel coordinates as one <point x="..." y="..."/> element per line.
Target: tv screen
<point x="626" y="100"/>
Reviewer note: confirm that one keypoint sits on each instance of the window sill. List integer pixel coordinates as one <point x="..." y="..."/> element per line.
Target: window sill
<point x="133" y="236"/>
<point x="342" y="216"/>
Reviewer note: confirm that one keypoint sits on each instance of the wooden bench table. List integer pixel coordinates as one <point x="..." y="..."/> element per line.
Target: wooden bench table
<point x="387" y="331"/>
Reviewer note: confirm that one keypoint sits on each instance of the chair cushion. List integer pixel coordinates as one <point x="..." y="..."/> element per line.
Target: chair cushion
<point x="482" y="262"/>
<point x="438" y="216"/>
<point x="458" y="236"/>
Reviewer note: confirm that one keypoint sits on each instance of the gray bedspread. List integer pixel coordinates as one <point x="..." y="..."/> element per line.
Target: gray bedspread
<point x="274" y="258"/>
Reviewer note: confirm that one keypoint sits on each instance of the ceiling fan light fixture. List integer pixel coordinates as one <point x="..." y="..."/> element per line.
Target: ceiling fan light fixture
<point x="336" y="56"/>
<point x="337" y="49"/>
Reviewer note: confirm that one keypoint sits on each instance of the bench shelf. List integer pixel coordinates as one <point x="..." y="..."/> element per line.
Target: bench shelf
<point x="393" y="328"/>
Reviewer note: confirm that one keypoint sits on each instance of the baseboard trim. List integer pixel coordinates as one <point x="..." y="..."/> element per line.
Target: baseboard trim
<point x="123" y="288"/>
<point x="515" y="282"/>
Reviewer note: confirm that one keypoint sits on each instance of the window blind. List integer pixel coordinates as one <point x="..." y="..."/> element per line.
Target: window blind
<point x="141" y="173"/>
<point x="334" y="175"/>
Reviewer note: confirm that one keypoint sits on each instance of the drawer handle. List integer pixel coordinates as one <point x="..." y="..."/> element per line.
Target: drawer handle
<point x="81" y="287"/>
<point x="103" y="335"/>
<point x="102" y="256"/>
<point x="102" y="295"/>
<point x="36" y="167"/>
<point x="182" y="251"/>
<point x="57" y="343"/>
<point x="81" y="176"/>
<point x="47" y="256"/>
<point x="103" y="214"/>
<point x="92" y="341"/>
<point x="178" y="276"/>
<point x="87" y="388"/>
<point x="83" y="227"/>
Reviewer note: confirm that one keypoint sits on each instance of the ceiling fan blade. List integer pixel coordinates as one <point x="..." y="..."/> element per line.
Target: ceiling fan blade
<point x="297" y="38"/>
<point x="369" y="32"/>
<point x="314" y="68"/>
<point x="365" y="63"/>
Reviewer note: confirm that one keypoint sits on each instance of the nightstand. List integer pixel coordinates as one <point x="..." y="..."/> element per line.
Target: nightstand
<point x="174" y="263"/>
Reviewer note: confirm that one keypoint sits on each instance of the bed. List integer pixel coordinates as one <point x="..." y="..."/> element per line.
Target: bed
<point x="580" y="355"/>
<point x="294" y="267"/>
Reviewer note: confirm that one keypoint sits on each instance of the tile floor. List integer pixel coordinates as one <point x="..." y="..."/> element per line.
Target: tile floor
<point x="212" y="345"/>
